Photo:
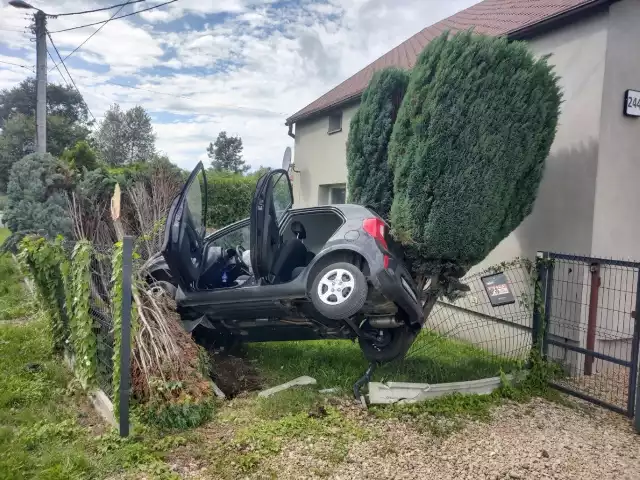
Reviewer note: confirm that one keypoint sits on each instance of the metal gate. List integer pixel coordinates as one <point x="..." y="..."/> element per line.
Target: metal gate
<point x="591" y="328"/>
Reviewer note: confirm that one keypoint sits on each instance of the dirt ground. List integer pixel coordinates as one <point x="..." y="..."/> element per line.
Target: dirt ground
<point x="538" y="440"/>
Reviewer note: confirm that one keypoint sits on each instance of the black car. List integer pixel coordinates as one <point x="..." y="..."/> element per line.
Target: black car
<point x="328" y="272"/>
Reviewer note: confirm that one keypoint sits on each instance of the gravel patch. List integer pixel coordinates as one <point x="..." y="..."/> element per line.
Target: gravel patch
<point x="538" y="440"/>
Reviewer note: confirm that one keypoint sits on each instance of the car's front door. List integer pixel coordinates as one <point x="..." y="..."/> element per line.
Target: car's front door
<point x="272" y="199"/>
<point x="185" y="230"/>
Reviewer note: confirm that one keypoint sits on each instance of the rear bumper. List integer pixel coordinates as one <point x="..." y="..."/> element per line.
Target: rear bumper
<point x="395" y="284"/>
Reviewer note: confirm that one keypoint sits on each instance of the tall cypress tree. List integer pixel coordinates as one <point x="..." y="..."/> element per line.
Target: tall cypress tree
<point x="370" y="179"/>
<point x="468" y="148"/>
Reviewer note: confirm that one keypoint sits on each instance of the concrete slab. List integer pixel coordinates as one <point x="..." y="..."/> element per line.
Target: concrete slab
<point x="404" y="392"/>
<point x="296" y="382"/>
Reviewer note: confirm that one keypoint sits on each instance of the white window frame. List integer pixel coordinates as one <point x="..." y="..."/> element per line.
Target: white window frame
<point x="339" y="128"/>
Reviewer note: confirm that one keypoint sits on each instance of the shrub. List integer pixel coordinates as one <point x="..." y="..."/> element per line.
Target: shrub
<point x="36" y="196"/>
<point x="468" y="148"/>
<point x="228" y="197"/>
<point x="370" y="179"/>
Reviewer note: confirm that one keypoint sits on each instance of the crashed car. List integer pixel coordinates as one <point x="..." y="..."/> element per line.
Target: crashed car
<point x="327" y="272"/>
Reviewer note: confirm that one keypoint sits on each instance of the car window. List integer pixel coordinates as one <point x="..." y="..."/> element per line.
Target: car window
<point x="233" y="238"/>
<point x="195" y="203"/>
<point x="281" y="194"/>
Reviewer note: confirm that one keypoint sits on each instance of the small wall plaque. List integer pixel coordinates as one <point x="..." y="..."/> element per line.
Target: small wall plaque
<point x="497" y="287"/>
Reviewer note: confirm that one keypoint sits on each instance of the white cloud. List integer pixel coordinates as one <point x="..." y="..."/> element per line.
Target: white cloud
<point x="245" y="75"/>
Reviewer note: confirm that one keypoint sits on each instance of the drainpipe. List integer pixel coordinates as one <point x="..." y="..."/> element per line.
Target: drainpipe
<point x="593" y="316"/>
<point x="290" y="133"/>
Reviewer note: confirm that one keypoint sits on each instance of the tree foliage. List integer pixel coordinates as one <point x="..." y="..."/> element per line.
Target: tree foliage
<point x="126" y="137"/>
<point x="469" y="146"/>
<point x="62" y="101"/>
<point x="370" y="180"/>
<point x="36" y="196"/>
<point x="18" y="135"/>
<point x="81" y="157"/>
<point x="226" y="154"/>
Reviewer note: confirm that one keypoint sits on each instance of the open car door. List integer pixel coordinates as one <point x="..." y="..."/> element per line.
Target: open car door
<point x="183" y="247"/>
<point x="272" y="199"/>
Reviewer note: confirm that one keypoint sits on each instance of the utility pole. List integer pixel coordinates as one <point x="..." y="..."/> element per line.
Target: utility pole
<point x="41" y="81"/>
<point x="40" y="30"/>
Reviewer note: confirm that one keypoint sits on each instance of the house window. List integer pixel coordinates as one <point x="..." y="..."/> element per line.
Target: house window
<point x="335" y="122"/>
<point x="338" y="195"/>
<point x="335" y="194"/>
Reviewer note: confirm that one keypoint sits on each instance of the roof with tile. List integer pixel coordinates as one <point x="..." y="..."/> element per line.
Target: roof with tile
<point x="489" y="17"/>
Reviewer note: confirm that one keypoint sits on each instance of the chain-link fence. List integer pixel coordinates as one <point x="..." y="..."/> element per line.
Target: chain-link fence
<point x="468" y="338"/>
<point x="103" y="312"/>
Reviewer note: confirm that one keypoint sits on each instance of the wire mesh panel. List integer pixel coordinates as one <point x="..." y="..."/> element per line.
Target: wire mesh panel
<point x="102" y="312"/>
<point x="470" y="339"/>
<point x="591" y="328"/>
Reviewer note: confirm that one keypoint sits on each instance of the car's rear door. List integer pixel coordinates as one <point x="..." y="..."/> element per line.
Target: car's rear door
<point x="183" y="247"/>
<point x="271" y="201"/>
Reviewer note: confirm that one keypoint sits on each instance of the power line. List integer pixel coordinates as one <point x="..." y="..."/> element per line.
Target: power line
<point x="115" y="18"/>
<point x="17" y="65"/>
<point x="98" y="9"/>
<point x="67" y="70"/>
<point x="90" y="36"/>
<point x="59" y="71"/>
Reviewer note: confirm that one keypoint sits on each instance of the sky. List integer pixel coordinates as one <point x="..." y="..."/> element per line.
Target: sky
<point x="202" y="66"/>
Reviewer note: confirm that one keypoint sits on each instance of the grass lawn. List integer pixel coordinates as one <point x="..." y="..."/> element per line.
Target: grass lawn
<point x="14" y="304"/>
<point x="339" y="363"/>
<point x="49" y="431"/>
<point x="4" y="233"/>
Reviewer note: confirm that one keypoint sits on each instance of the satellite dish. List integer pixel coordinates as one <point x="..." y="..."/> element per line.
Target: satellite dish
<point x="286" y="159"/>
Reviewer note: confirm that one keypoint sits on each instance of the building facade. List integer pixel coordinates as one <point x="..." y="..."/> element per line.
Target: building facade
<point x="587" y="198"/>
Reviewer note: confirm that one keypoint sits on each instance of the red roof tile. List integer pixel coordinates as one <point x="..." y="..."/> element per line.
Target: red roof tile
<point x="490" y="17"/>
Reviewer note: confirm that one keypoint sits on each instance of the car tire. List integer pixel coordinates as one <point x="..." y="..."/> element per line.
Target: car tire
<point x="395" y="347"/>
<point x="339" y="291"/>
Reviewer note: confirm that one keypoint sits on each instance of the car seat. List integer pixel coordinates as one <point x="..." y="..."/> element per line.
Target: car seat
<point x="292" y="254"/>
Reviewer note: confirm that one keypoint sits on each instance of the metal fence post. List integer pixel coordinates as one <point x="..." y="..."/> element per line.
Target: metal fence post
<point x="125" y="344"/>
<point x="539" y="295"/>
<point x="633" y="405"/>
<point x="547" y="289"/>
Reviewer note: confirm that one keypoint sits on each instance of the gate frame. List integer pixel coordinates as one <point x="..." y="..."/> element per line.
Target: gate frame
<point x="545" y="278"/>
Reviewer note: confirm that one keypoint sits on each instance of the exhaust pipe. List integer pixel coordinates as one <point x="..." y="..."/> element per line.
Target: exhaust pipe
<point x="384" y="322"/>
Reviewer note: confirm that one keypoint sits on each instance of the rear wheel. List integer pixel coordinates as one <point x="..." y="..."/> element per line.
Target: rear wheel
<point x="339" y="291"/>
<point x="389" y="344"/>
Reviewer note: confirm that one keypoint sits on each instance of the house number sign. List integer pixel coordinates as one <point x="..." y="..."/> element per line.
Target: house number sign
<point x="632" y="103"/>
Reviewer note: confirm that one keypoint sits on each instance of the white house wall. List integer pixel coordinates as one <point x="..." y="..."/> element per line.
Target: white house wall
<point x="616" y="224"/>
<point x="319" y="158"/>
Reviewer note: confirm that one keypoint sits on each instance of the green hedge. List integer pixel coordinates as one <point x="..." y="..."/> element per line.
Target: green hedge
<point x="469" y="146"/>
<point x="370" y="178"/>
<point x="228" y="198"/>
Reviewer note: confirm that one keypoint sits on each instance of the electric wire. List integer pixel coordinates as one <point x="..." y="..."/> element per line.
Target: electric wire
<point x="97" y="30"/>
<point x="114" y="18"/>
<point x="68" y="73"/>
<point x="97" y="9"/>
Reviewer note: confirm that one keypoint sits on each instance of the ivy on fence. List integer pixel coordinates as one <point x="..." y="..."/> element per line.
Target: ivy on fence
<point x="43" y="259"/>
<point x="83" y="336"/>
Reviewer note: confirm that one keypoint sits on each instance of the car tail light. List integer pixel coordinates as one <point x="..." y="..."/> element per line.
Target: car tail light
<point x="377" y="229"/>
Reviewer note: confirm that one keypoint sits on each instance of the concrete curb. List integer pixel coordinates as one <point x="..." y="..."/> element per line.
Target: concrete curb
<point x="402" y="392"/>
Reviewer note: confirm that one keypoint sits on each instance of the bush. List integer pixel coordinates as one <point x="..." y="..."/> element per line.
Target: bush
<point x="370" y="179"/>
<point x="36" y="196"/>
<point x="229" y="197"/>
<point x="469" y="146"/>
